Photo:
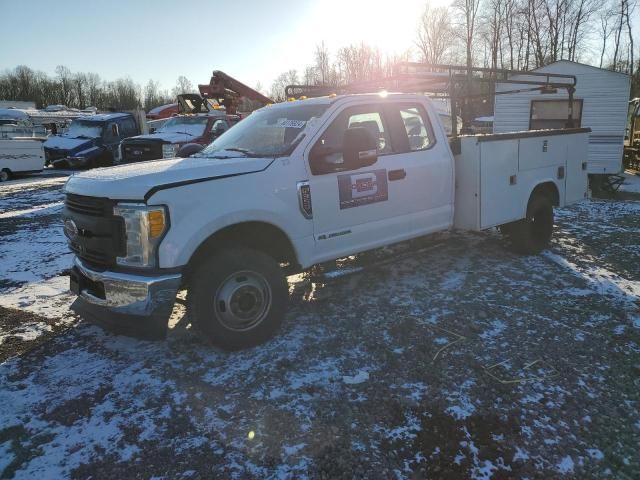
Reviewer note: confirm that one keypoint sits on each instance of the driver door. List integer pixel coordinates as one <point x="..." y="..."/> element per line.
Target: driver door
<point x="359" y="208"/>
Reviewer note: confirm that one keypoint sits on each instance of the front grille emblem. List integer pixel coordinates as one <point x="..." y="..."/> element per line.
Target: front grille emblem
<point x="70" y="229"/>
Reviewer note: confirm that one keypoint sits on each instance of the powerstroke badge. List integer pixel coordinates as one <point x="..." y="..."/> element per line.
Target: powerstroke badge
<point x="362" y="188"/>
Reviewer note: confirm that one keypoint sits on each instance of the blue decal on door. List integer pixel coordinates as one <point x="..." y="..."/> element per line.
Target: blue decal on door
<point x="362" y="188"/>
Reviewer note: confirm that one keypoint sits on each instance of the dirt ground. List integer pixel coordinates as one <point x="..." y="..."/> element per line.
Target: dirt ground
<point x="445" y="357"/>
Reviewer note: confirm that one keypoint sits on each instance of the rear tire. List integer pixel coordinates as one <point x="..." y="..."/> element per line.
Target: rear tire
<point x="5" y="174"/>
<point x="532" y="234"/>
<point x="237" y="297"/>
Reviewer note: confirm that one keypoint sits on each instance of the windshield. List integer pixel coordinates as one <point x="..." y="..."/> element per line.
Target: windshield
<point x="193" y="126"/>
<point x="269" y="132"/>
<point x="84" y="128"/>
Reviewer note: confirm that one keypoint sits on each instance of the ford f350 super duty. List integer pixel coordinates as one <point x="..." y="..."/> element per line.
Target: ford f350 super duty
<point x="293" y="185"/>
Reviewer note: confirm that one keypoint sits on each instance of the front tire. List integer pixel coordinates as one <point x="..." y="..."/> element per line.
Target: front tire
<point x="532" y="234"/>
<point x="5" y="175"/>
<point x="237" y="297"/>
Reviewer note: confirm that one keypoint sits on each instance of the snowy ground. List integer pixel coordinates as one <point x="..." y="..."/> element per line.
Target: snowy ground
<point x="459" y="360"/>
<point x="631" y="182"/>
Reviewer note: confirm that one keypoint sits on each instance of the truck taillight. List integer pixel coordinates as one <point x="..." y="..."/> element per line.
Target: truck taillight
<point x="304" y="199"/>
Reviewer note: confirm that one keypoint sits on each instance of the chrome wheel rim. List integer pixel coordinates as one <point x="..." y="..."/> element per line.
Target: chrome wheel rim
<point x="4" y="176"/>
<point x="243" y="301"/>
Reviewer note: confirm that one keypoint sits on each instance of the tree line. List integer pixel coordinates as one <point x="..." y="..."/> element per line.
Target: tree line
<point x="509" y="34"/>
<point x="512" y="34"/>
<point x="82" y="90"/>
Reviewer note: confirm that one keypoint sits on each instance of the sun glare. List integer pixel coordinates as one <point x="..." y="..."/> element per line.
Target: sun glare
<point x="391" y="27"/>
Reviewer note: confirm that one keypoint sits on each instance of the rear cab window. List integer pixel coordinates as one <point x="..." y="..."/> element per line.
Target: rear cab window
<point x="412" y="129"/>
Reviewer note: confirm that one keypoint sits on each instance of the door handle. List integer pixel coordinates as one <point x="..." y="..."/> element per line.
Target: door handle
<point x="397" y="174"/>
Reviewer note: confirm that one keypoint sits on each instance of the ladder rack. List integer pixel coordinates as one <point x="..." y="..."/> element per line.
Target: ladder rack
<point x="455" y="82"/>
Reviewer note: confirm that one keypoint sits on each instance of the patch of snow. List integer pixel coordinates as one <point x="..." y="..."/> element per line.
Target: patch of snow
<point x="50" y="298"/>
<point x="566" y="465"/>
<point x="631" y="183"/>
<point x="520" y="455"/>
<point x="47" y="208"/>
<point x="595" y="453"/>
<point x="497" y="327"/>
<point x="294" y="449"/>
<point x="416" y="390"/>
<point x="360" y="377"/>
<point x="534" y="398"/>
<point x="463" y="406"/>
<point x="600" y="279"/>
<point x="453" y="280"/>
<point x="484" y="471"/>
<point x="404" y="432"/>
<point x="26" y="332"/>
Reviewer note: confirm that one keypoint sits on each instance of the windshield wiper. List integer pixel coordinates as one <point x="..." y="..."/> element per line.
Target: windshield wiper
<point x="248" y="153"/>
<point x="187" y="133"/>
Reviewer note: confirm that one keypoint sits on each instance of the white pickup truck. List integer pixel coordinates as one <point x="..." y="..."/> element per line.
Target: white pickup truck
<point x="293" y="185"/>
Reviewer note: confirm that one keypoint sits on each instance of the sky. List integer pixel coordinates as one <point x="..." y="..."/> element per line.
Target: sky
<point x="251" y="40"/>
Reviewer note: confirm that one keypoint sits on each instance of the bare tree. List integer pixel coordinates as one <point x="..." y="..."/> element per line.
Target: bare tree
<point x="434" y="34"/>
<point x="64" y="79"/>
<point x="468" y="11"/>
<point x="310" y="75"/>
<point x="278" y="86"/>
<point x="322" y="63"/>
<point x="183" y="85"/>
<point x="494" y="20"/>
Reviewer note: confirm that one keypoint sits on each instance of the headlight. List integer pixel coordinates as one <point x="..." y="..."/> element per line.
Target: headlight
<point x="144" y="227"/>
<point x="169" y="150"/>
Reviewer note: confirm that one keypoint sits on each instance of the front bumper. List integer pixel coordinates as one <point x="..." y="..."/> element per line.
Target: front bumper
<point x="70" y="162"/>
<point x="125" y="303"/>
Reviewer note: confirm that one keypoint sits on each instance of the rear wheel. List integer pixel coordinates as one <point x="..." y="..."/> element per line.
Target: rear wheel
<point x="532" y="234"/>
<point x="5" y="174"/>
<point x="238" y="298"/>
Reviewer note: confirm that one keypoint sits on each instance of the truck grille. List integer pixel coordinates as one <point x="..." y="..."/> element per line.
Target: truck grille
<point x="97" y="236"/>
<point x="139" y="152"/>
<point x="54" y="154"/>
<point x="85" y="205"/>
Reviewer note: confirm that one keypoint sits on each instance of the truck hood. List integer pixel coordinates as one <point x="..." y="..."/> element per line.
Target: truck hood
<point x="138" y="181"/>
<point x="69" y="144"/>
<point x="167" y="137"/>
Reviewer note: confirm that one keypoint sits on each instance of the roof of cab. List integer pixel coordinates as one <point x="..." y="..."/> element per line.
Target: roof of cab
<point x="105" y="117"/>
<point x="329" y="99"/>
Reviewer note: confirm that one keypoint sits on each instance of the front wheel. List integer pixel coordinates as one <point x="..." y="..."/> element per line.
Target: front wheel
<point x="237" y="297"/>
<point x="5" y="174"/>
<point x="532" y="234"/>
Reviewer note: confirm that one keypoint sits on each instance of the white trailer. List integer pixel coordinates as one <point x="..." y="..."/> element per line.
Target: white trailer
<point x="600" y="103"/>
<point x="20" y="156"/>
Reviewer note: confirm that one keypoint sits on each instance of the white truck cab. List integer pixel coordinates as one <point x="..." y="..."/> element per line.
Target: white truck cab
<point x="293" y="185"/>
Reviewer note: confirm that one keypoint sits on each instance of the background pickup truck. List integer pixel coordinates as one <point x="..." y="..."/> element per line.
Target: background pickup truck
<point x="91" y="141"/>
<point x="293" y="185"/>
<point x="198" y="124"/>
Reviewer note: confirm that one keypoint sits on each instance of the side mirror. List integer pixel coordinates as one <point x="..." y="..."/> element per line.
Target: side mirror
<point x="359" y="148"/>
<point x="189" y="149"/>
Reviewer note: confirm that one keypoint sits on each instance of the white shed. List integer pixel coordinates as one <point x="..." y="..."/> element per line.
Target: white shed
<point x="600" y="103"/>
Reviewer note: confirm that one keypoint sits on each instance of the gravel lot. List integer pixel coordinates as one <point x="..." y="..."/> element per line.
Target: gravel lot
<point x="453" y="358"/>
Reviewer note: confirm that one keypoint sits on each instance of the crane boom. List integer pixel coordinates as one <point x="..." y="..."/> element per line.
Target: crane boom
<point x="227" y="91"/>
